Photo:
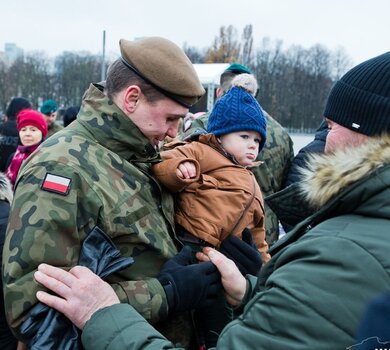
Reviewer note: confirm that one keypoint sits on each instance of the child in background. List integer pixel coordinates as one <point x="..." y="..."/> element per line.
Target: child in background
<point x="32" y="129"/>
<point x="217" y="193"/>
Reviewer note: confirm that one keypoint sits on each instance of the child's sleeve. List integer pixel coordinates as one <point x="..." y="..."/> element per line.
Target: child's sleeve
<point x="165" y="171"/>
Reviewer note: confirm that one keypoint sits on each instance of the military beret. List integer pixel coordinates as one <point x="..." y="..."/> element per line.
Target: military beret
<point x="48" y="107"/>
<point x="163" y="64"/>
<point x="237" y="68"/>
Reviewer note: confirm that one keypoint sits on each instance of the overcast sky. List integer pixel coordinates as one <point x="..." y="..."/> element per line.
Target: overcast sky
<point x="361" y="27"/>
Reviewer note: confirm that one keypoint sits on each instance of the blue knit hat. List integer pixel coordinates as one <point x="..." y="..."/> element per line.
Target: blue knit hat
<point x="236" y="111"/>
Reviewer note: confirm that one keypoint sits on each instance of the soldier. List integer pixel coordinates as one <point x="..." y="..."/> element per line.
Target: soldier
<point x="96" y="172"/>
<point x="49" y="110"/>
<point x="277" y="154"/>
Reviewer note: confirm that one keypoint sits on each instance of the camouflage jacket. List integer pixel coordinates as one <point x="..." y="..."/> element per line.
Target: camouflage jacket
<point x="103" y="163"/>
<point x="276" y="155"/>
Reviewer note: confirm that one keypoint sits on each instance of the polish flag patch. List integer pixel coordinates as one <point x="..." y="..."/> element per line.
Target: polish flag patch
<point x="56" y="184"/>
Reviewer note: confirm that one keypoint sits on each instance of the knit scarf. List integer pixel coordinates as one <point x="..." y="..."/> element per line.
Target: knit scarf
<point x="21" y="154"/>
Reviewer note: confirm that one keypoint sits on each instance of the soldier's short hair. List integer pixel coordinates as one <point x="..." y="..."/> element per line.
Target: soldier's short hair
<point x="119" y="77"/>
<point x="225" y="80"/>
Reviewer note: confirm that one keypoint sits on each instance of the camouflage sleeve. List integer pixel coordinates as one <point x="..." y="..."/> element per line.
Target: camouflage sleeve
<point x="43" y="227"/>
<point x="49" y="227"/>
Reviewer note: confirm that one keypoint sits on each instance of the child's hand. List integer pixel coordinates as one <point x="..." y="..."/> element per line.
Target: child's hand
<point x="186" y="170"/>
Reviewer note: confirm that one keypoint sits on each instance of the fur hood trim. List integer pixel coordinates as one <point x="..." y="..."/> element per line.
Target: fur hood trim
<point x="327" y="175"/>
<point x="5" y="189"/>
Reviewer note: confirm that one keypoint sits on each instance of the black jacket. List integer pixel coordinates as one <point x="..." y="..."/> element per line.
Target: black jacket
<point x="7" y="340"/>
<point x="9" y="140"/>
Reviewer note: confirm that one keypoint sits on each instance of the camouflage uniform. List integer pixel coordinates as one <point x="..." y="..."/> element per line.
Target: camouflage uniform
<point x="108" y="161"/>
<point x="277" y="156"/>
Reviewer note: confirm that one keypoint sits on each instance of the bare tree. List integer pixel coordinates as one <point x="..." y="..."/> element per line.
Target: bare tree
<point x="74" y="72"/>
<point x="194" y="54"/>
<point x="225" y="48"/>
<point x="247" y="38"/>
<point x="341" y="63"/>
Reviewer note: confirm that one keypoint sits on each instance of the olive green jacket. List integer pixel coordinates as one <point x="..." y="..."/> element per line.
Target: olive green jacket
<point x="53" y="128"/>
<point x="107" y="160"/>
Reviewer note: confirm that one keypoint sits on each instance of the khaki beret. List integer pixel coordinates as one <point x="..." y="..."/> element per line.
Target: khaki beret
<point x="164" y="65"/>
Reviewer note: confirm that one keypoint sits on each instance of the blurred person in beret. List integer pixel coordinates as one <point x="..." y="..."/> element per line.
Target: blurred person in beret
<point x="314" y="291"/>
<point x="49" y="109"/>
<point x="97" y="172"/>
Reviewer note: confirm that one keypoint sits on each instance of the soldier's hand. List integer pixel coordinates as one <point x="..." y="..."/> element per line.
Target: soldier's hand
<point x="80" y="292"/>
<point x="189" y="286"/>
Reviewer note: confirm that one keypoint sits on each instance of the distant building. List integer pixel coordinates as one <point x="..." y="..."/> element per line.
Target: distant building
<point x="11" y="53"/>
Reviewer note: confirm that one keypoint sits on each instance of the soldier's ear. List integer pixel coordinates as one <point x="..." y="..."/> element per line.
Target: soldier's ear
<point x="219" y="92"/>
<point x="131" y="98"/>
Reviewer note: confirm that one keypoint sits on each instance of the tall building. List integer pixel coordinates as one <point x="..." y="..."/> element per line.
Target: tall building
<point x="12" y="52"/>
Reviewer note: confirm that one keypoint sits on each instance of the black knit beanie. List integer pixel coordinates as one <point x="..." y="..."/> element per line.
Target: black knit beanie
<point x="16" y="105"/>
<point x="360" y="100"/>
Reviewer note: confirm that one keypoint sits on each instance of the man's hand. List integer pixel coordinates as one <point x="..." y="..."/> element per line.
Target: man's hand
<point x="233" y="281"/>
<point x="243" y="252"/>
<point x="80" y="292"/>
<point x="186" y="170"/>
<point x="189" y="286"/>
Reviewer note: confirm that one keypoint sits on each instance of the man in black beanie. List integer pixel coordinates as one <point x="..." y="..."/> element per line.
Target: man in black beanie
<point x="9" y="135"/>
<point x="313" y="291"/>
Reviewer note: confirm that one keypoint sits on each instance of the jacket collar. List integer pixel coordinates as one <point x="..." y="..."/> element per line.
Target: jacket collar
<point x="112" y="128"/>
<point x="328" y="175"/>
<point x="5" y="189"/>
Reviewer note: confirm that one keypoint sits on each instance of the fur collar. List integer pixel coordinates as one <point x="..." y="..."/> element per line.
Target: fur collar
<point x="5" y="189"/>
<point x="327" y="175"/>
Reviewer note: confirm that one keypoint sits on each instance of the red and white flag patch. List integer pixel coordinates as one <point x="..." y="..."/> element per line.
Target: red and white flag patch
<point x="57" y="184"/>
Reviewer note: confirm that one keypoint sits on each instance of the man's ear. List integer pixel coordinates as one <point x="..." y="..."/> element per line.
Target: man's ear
<point x="131" y="98"/>
<point x="219" y="92"/>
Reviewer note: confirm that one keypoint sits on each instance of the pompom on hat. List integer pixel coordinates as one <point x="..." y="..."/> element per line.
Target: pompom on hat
<point x="34" y="118"/>
<point x="164" y="65"/>
<point x="48" y="107"/>
<point x="360" y="100"/>
<point x="238" y="110"/>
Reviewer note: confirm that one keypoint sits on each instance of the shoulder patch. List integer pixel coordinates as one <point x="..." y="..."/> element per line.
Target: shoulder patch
<point x="56" y="184"/>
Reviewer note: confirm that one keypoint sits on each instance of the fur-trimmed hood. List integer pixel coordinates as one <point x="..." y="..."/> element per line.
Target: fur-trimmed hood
<point x="327" y="175"/>
<point x="5" y="189"/>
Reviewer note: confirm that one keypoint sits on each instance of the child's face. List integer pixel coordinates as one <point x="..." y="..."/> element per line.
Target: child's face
<point x="30" y="135"/>
<point x="243" y="145"/>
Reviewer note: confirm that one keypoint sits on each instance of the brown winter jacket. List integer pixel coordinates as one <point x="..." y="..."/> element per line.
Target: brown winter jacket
<point x="210" y="205"/>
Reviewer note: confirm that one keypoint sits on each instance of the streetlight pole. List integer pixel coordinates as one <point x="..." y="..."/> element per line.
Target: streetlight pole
<point x="103" y="71"/>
